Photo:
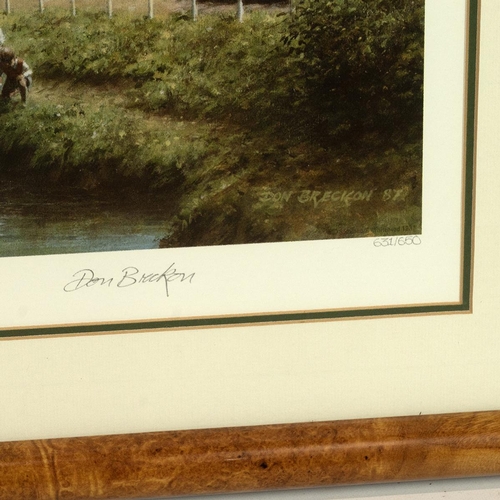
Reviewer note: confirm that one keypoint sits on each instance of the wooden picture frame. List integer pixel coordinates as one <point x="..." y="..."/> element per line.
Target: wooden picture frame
<point x="450" y="439"/>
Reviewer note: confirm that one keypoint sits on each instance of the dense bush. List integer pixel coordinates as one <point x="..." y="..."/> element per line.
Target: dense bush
<point x="359" y="63"/>
<point x="217" y="68"/>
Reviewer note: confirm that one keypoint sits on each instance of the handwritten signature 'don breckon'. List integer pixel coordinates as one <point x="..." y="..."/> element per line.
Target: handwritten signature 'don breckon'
<point x="129" y="276"/>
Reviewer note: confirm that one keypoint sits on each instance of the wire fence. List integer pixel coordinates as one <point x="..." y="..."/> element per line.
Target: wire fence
<point x="194" y="8"/>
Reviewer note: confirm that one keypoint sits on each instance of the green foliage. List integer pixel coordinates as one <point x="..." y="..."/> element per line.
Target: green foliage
<point x="359" y="63"/>
<point x="92" y="147"/>
<point x="88" y="46"/>
<point x="213" y="68"/>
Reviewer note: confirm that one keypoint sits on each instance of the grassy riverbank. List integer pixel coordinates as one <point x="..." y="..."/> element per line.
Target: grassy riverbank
<point x="221" y="121"/>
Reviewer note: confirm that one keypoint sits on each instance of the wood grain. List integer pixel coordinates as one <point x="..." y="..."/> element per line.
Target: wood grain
<point x="166" y="464"/>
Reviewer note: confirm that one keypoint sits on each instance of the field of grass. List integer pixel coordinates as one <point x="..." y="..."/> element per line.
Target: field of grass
<point x="210" y="118"/>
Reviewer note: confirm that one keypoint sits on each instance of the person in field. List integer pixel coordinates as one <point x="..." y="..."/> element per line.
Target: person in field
<point x="17" y="74"/>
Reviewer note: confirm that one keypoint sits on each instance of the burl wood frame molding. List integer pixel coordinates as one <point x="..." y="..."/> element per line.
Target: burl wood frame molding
<point x="196" y="462"/>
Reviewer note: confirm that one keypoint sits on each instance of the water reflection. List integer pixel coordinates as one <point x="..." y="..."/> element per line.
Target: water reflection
<point x="34" y="223"/>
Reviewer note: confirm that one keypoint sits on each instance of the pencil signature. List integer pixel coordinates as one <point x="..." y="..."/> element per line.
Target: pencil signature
<point x="130" y="276"/>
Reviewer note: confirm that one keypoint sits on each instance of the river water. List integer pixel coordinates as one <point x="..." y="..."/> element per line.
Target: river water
<point x="34" y="223"/>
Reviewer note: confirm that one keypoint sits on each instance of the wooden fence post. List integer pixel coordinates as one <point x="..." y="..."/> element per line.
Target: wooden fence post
<point x="150" y="9"/>
<point x="110" y="8"/>
<point x="194" y="10"/>
<point x="40" y="5"/>
<point x="73" y="7"/>
<point x="7" y="6"/>
<point x="239" y="13"/>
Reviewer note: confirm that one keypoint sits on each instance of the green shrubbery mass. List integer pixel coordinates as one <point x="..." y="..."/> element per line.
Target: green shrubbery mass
<point x="360" y="63"/>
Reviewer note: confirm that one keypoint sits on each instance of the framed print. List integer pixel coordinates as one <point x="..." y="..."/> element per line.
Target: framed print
<point x="366" y="168"/>
<point x="356" y="326"/>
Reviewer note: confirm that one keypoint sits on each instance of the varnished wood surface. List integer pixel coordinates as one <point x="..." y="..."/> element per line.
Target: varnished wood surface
<point x="166" y="464"/>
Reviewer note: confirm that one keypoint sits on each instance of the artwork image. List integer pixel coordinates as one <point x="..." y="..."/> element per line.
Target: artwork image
<point x="137" y="124"/>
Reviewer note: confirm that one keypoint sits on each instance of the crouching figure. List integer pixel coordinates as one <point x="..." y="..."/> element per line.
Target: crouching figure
<point x="18" y="75"/>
